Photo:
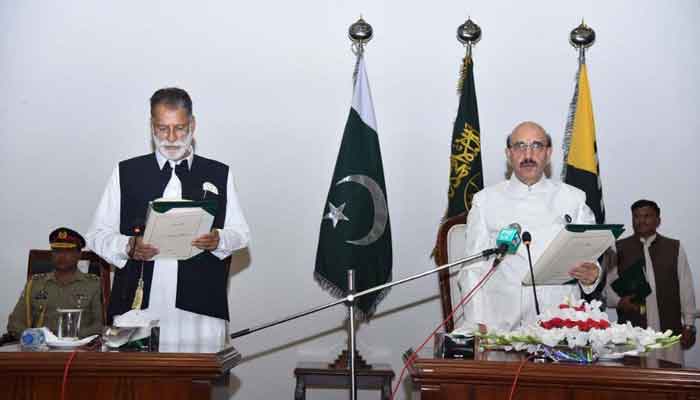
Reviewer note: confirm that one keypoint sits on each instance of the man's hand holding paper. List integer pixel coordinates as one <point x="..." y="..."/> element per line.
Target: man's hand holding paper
<point x="208" y="241"/>
<point x="180" y="229"/>
<point x="577" y="245"/>
<point x="138" y="250"/>
<point x="586" y="272"/>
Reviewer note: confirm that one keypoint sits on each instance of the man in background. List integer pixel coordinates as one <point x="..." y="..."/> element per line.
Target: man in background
<point x="65" y="287"/>
<point x="541" y="207"/>
<point x="663" y="264"/>
<point x="188" y="296"/>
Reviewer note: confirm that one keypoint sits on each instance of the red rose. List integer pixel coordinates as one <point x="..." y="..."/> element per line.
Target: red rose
<point x="588" y="324"/>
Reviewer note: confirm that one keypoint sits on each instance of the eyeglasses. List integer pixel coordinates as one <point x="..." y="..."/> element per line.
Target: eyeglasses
<point x="521" y="147"/>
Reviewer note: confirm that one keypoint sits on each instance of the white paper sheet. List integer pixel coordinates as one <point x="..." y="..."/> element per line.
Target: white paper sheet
<point x="173" y="231"/>
<point x="566" y="250"/>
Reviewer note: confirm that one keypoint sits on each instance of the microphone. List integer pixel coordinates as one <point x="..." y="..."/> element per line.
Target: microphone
<point x="508" y="239"/>
<point x="527" y="238"/>
<point x="138" y="225"/>
<point x="137" y="229"/>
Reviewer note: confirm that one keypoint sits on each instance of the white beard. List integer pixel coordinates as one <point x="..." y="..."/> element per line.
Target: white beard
<point x="183" y="146"/>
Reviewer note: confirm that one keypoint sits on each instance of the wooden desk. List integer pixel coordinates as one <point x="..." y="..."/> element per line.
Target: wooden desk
<point x="633" y="378"/>
<point x="318" y="374"/>
<point x="115" y="375"/>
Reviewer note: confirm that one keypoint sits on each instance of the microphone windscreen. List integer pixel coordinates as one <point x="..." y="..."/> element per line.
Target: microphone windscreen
<point x="527" y="238"/>
<point x="509" y="237"/>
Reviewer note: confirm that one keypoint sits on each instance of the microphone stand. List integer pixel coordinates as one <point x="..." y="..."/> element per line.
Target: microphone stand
<point x="349" y="301"/>
<point x="532" y="273"/>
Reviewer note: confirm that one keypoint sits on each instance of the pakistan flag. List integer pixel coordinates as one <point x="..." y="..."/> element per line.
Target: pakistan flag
<point x="355" y="229"/>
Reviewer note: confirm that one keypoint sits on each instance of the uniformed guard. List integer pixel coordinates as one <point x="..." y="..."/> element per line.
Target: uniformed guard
<point x="65" y="287"/>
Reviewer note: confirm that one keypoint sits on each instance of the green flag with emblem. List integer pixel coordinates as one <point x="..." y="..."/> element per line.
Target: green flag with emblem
<point x="466" y="177"/>
<point x="355" y="229"/>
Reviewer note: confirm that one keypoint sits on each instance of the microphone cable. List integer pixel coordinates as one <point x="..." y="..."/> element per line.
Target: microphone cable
<point x="465" y="299"/>
<point x="64" y="382"/>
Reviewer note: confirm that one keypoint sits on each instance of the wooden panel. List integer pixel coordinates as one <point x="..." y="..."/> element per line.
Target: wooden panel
<point x="114" y="375"/>
<point x="584" y="394"/>
<point x="437" y="392"/>
<point x="482" y="379"/>
<point x="502" y="392"/>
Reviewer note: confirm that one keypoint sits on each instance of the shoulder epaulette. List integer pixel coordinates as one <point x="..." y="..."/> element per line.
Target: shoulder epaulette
<point x="38" y="276"/>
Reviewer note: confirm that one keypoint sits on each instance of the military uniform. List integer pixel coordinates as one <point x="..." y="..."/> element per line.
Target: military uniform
<point x="46" y="295"/>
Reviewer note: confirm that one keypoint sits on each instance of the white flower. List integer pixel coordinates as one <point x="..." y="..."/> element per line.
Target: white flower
<point x="603" y="341"/>
<point x="551" y="337"/>
<point x="580" y="339"/>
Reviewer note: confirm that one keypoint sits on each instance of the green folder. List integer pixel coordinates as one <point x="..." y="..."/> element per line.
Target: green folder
<point x="632" y="282"/>
<point x="616" y="229"/>
<point x="163" y="206"/>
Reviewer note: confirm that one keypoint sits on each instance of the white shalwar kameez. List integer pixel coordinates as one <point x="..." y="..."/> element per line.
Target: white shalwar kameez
<point x="179" y="329"/>
<point x="542" y="209"/>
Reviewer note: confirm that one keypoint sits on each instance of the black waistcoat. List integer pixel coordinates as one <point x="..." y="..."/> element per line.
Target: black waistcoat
<point x="202" y="279"/>
<point x="664" y="259"/>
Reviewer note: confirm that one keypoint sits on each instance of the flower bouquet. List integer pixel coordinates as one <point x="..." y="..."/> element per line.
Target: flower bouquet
<point x="577" y="331"/>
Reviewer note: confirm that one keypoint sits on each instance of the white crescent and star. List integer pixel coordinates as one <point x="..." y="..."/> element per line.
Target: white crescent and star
<point x="381" y="212"/>
<point x="335" y="214"/>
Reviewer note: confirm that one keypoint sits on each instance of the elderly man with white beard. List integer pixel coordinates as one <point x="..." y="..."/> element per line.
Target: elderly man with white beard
<point x="188" y="296"/>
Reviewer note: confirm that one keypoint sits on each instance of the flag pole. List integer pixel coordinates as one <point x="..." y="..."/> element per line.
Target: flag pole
<point x="465" y="163"/>
<point x="351" y="335"/>
<point x="469" y="35"/>
<point x="582" y="37"/>
<point x="360" y="33"/>
<point x="581" y="167"/>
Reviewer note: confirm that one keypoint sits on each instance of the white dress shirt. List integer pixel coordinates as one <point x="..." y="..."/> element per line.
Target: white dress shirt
<point x="543" y="209"/>
<point x="177" y="327"/>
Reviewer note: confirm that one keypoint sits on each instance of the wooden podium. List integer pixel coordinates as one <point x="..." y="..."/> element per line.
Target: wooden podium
<point x="115" y="375"/>
<point x="632" y="378"/>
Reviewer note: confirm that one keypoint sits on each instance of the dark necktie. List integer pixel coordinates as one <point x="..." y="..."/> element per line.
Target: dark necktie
<point x="189" y="186"/>
<point x="165" y="174"/>
<point x="183" y="173"/>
